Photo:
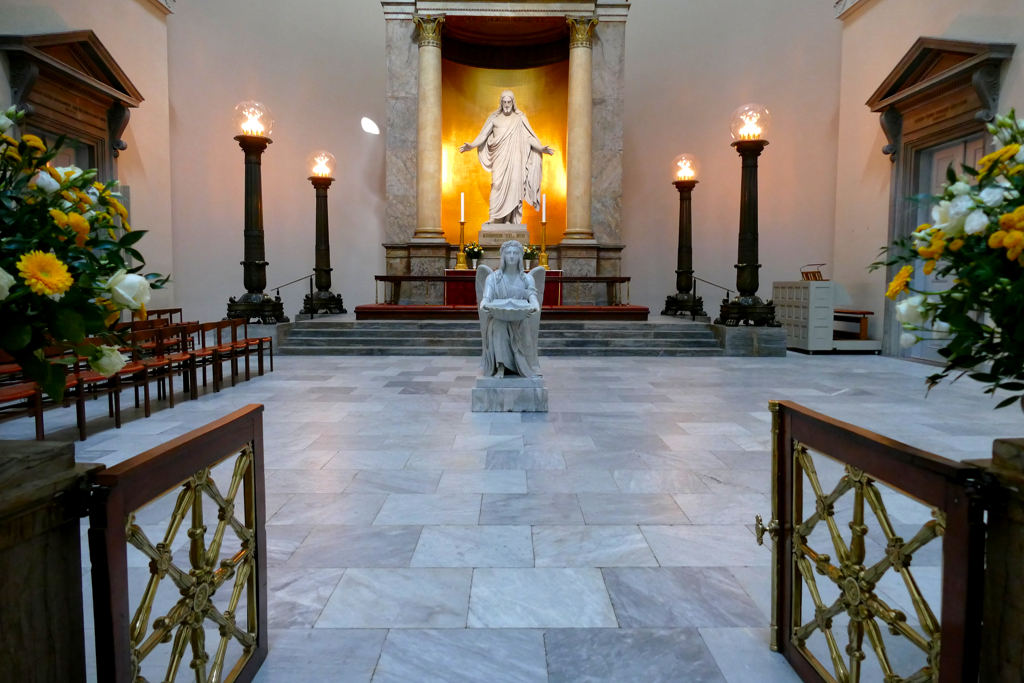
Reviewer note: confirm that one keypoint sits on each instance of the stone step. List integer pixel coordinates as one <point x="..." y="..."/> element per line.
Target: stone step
<point x="376" y="350"/>
<point x="456" y="325"/>
<point x="475" y="333"/>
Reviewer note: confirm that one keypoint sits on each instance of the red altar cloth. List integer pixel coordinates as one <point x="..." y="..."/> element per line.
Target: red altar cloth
<point x="464" y="293"/>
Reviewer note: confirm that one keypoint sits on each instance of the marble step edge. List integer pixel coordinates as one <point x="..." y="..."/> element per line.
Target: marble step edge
<point x="464" y="324"/>
<point x="544" y="343"/>
<point x="475" y="333"/>
<point x="432" y="351"/>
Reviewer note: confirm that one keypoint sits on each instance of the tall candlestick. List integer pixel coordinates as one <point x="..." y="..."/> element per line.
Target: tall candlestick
<point x="462" y="201"/>
<point x="544" y="208"/>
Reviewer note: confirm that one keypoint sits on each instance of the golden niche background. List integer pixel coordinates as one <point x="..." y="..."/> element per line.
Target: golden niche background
<point x="468" y="96"/>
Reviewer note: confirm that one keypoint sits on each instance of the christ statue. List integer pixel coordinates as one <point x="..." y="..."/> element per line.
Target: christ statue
<point x="511" y="152"/>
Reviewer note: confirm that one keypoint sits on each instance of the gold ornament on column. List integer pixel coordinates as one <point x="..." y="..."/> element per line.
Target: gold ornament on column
<point x="430" y="30"/>
<point x="581" y="31"/>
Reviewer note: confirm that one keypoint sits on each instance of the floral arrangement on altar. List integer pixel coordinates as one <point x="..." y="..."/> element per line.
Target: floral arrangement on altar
<point x="976" y="238"/>
<point x="531" y="252"/>
<point x="64" y="279"/>
<point x="473" y="250"/>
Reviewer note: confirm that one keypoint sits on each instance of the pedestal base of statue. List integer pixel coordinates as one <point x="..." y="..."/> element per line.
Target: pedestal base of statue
<point x="751" y="341"/>
<point x="684" y="303"/>
<point x="327" y="303"/>
<point x="748" y="310"/>
<point x="496" y="234"/>
<point x="256" y="306"/>
<point x="509" y="395"/>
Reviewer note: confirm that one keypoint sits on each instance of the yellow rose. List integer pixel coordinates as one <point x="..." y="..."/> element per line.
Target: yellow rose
<point x="900" y="282"/>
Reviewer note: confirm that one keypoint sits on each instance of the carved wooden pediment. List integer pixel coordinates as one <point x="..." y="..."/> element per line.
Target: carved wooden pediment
<point x="936" y="82"/>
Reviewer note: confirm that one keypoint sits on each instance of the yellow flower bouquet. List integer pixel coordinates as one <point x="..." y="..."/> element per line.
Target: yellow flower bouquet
<point x="976" y="239"/>
<point x="64" y="273"/>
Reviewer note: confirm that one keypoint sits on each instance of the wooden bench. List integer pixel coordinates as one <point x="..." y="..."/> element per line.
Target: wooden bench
<point x="849" y="315"/>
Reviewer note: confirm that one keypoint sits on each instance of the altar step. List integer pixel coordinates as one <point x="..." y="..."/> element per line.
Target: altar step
<point x="557" y="338"/>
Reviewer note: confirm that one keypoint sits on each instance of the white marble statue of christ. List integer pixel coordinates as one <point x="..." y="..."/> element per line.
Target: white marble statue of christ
<point x="511" y="152"/>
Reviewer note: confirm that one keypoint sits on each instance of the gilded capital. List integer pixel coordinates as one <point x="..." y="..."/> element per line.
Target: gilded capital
<point x="430" y="29"/>
<point x="581" y="31"/>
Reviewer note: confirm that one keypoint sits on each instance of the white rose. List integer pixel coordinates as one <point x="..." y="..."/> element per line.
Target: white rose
<point x="128" y="289"/>
<point x="45" y="183"/>
<point x="6" y="282"/>
<point x="93" y="194"/>
<point x="64" y="172"/>
<point x="108" y="361"/>
<point x="992" y="196"/>
<point x="907" y="340"/>
<point x="5" y="123"/>
<point x="910" y="310"/>
<point x="976" y="222"/>
<point x="940" y="327"/>
<point x="959" y="188"/>
<point x="940" y="213"/>
<point x="1004" y="135"/>
<point x="961" y="206"/>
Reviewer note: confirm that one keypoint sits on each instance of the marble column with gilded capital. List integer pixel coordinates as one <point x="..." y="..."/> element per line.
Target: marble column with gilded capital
<point x="579" y="152"/>
<point x="428" y="131"/>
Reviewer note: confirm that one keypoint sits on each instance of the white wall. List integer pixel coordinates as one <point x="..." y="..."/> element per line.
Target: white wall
<point x="135" y="34"/>
<point x="319" y="66"/>
<point x="876" y="35"/>
<point x="689" y="65"/>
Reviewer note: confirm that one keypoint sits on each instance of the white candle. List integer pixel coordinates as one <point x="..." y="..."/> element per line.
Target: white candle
<point x="463" y="202"/>
<point x="544" y="208"/>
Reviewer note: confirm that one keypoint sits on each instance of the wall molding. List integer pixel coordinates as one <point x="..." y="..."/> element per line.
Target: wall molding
<point x="162" y="5"/>
<point x="846" y="7"/>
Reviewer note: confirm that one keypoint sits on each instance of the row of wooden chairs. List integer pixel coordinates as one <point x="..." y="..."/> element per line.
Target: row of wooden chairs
<point x="158" y="352"/>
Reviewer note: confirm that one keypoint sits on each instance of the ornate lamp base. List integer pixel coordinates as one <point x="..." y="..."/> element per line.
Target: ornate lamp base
<point x="684" y="303"/>
<point x="257" y="306"/>
<point x="749" y="310"/>
<point x="542" y="260"/>
<point x="323" y="302"/>
<point x="460" y="261"/>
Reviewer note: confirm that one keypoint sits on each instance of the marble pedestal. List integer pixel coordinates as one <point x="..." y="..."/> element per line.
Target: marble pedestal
<point x="496" y="234"/>
<point x="509" y="395"/>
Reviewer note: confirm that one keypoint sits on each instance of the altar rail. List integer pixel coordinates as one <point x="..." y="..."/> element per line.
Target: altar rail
<point x="948" y="645"/>
<point x="128" y="636"/>
<point x="614" y="284"/>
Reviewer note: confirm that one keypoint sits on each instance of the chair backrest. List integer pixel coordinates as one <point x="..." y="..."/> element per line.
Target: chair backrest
<point x="210" y="327"/>
<point x="237" y="323"/>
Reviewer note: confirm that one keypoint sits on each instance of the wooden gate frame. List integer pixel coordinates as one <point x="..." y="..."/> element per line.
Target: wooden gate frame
<point x="130" y="485"/>
<point x="951" y="487"/>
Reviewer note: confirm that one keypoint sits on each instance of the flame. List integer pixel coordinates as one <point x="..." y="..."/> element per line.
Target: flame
<point x="685" y="170"/>
<point x="321" y="168"/>
<point x="253" y="125"/>
<point x="750" y="129"/>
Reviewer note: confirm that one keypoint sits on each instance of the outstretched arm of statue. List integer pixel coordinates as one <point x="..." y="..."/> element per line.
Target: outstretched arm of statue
<point x="537" y="147"/>
<point x="480" y="139"/>
<point x="535" y="304"/>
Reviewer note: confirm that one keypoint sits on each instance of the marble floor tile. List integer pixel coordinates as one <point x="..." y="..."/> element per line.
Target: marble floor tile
<point x="314" y="655"/>
<point x="570" y="481"/>
<point x="368" y="460"/>
<point x="399" y="598"/>
<point x="659" y="481"/>
<point x="295" y="597"/>
<point x="715" y="508"/>
<point x="430" y="508"/>
<point x="713" y="428"/>
<point x="282" y="540"/>
<point x="679" y="596"/>
<point x="534" y="508"/>
<point x="682" y="460"/>
<point x="297" y="460"/>
<point x="737" y="481"/>
<point x="320" y="508"/>
<point x="308" y="481"/>
<point x="352" y="442"/>
<point x="474" y="546"/>
<point x="591" y="546"/>
<point x="604" y="460"/>
<point x="395" y="481"/>
<point x="633" y="508"/>
<point x="524" y="459"/>
<point x="482" y="481"/>
<point x="539" y="598"/>
<point x="701" y="443"/>
<point x="357" y="546"/>
<point x="463" y="656"/>
<point x="745" y="460"/>
<point x="629" y="654"/>
<point x="757" y="582"/>
<point x="692" y="545"/>
<point x="470" y="442"/>
<point x="743" y="655"/>
<point x="447" y="460"/>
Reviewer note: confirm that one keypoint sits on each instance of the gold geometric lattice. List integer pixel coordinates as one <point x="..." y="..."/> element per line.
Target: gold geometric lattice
<point x="198" y="585"/>
<point x="857" y="583"/>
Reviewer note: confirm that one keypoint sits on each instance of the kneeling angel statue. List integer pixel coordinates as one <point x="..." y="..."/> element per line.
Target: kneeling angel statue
<point x="509" y="306"/>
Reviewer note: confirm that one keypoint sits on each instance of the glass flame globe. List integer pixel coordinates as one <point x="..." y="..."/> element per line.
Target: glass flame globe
<point x="751" y="122"/>
<point x="253" y="118"/>
<point x="321" y="164"/>
<point x="685" y="167"/>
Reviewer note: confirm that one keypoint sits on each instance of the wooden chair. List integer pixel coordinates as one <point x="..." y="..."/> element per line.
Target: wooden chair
<point x="259" y="344"/>
<point x="26" y="398"/>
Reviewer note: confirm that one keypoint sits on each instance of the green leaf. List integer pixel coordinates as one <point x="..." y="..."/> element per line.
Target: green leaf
<point x="950" y="174"/>
<point x="48" y="376"/>
<point x="15" y="336"/>
<point x="1011" y="386"/>
<point x="1007" y="402"/>
<point x="69" y="325"/>
<point x="131" y="238"/>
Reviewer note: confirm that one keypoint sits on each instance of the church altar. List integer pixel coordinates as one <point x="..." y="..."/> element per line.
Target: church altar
<point x="464" y="293"/>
